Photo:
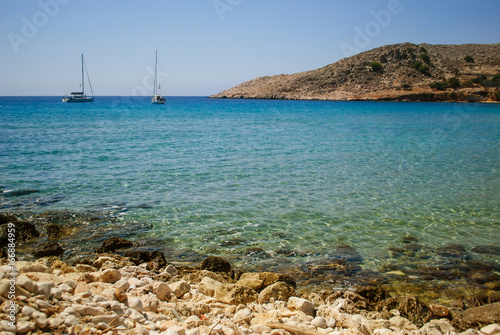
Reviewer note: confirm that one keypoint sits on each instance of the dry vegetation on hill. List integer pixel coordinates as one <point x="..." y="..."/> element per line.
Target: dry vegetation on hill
<point x="424" y="72"/>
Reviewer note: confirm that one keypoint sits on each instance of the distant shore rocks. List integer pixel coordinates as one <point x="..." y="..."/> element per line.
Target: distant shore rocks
<point x="403" y="72"/>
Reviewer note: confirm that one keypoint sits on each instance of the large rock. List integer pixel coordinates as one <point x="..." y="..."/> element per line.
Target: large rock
<point x="277" y="291"/>
<point x="110" y="276"/>
<point x="260" y="280"/>
<point x="162" y="291"/>
<point x="216" y="264"/>
<point x="234" y="294"/>
<point x="48" y="249"/>
<point x="478" y="317"/>
<point x="180" y="288"/>
<point x="57" y="231"/>
<point x="374" y="294"/>
<point x="24" y="267"/>
<point x="155" y="259"/>
<point x="208" y="285"/>
<point x="300" y="304"/>
<point x="24" y="231"/>
<point x="158" y="262"/>
<point x="6" y="218"/>
<point x="411" y="308"/>
<point x="114" y="243"/>
<point x="5" y="289"/>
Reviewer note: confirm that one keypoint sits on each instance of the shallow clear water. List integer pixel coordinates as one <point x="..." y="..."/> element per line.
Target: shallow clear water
<point x="296" y="177"/>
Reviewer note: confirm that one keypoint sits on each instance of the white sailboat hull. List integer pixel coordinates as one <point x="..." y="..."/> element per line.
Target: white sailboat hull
<point x="158" y="100"/>
<point x="78" y="99"/>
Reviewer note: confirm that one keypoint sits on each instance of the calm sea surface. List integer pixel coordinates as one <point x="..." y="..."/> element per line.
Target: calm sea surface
<point x="256" y="180"/>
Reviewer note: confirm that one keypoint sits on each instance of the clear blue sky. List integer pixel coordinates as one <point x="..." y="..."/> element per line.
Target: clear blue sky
<point x="205" y="46"/>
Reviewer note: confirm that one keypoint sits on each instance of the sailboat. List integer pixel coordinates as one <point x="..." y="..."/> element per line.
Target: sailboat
<point x="157" y="98"/>
<point x="80" y="96"/>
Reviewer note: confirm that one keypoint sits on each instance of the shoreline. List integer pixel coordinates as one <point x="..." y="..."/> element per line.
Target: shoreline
<point x="458" y="274"/>
<point x="425" y="97"/>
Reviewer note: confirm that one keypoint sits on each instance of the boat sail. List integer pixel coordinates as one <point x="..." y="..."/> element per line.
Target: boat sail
<point x="157" y="98"/>
<point x="80" y="96"/>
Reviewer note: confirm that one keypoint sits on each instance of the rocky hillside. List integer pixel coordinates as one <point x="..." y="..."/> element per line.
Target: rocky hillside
<point x="468" y="72"/>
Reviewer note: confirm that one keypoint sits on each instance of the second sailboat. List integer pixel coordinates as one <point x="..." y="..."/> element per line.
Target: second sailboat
<point x="157" y="98"/>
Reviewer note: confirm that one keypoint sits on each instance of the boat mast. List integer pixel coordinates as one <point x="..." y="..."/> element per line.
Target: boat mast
<point x="83" y="84"/>
<point x="156" y="63"/>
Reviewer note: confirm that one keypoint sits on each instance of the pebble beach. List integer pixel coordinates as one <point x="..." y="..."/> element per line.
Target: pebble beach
<point x="113" y="294"/>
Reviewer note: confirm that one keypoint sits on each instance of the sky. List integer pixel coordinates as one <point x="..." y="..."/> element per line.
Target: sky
<point x="206" y="46"/>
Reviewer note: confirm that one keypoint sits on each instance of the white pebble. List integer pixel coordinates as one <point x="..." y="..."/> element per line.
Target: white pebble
<point x="171" y="270"/>
<point x="44" y="288"/>
<point x="6" y="326"/>
<point x="40" y="319"/>
<point x="71" y="320"/>
<point x="28" y="311"/>
<point x="25" y="326"/>
<point x="134" y="315"/>
<point x="135" y="303"/>
<point x="55" y="322"/>
<point x="319" y="322"/>
<point x="136" y="282"/>
<point x="66" y="288"/>
<point x="492" y="329"/>
<point x="56" y="293"/>
<point x="110" y="276"/>
<point x="331" y="323"/>
<point x="26" y="283"/>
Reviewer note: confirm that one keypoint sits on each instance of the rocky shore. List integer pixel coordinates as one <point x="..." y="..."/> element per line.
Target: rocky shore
<point x="125" y="287"/>
<point x="143" y="294"/>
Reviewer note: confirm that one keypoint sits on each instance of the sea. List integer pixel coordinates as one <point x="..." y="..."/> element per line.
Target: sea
<point x="380" y="188"/>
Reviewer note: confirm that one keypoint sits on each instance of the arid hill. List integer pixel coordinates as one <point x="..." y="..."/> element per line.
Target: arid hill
<point x="467" y="72"/>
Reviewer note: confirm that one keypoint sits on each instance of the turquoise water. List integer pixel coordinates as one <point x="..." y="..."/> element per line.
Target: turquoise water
<point x="288" y="179"/>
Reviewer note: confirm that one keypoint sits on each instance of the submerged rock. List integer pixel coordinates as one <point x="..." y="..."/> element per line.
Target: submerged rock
<point x="142" y="256"/>
<point x="373" y="294"/>
<point x="346" y="253"/>
<point x="57" y="231"/>
<point x="24" y="231"/>
<point x="114" y="243"/>
<point x="216" y="264"/>
<point x="48" y="249"/>
<point x="487" y="249"/>
<point x="452" y="250"/>
<point x="6" y="218"/>
<point x="409" y="307"/>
